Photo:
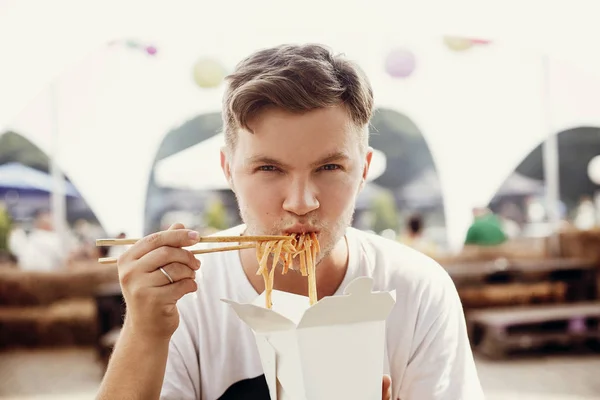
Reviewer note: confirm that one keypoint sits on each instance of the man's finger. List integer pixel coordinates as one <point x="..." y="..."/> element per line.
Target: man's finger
<point x="171" y="238"/>
<point x="176" y="225"/>
<point x="176" y="272"/>
<point x="175" y="291"/>
<point x="386" y="388"/>
<point x="167" y="255"/>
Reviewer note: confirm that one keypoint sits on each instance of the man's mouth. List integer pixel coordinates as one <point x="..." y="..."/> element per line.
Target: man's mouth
<point x="300" y="229"/>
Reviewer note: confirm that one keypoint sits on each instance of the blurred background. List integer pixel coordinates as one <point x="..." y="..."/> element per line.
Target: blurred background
<point x="487" y="158"/>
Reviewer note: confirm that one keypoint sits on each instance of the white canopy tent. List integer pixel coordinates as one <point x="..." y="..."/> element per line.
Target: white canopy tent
<point x="481" y="111"/>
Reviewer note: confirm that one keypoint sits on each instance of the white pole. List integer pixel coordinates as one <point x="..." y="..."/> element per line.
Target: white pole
<point x="551" y="162"/>
<point x="59" y="211"/>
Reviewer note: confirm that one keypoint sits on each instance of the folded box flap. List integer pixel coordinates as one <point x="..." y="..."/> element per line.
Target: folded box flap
<point x="358" y="304"/>
<point x="289" y="305"/>
<point x="268" y="358"/>
<point x="289" y="365"/>
<point x="260" y="319"/>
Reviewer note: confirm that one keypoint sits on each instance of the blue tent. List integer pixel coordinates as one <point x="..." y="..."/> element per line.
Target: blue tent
<point x="18" y="177"/>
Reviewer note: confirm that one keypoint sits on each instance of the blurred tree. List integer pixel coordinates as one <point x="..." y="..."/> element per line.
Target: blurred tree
<point x="215" y="215"/>
<point x="384" y="213"/>
<point x="5" y="226"/>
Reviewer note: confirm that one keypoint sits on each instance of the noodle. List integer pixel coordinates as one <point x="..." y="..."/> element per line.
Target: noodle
<point x="305" y="247"/>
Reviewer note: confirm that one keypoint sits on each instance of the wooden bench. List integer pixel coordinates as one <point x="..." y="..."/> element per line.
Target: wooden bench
<point x="512" y="294"/>
<point x="504" y="282"/>
<point x="69" y="322"/>
<point x="495" y="332"/>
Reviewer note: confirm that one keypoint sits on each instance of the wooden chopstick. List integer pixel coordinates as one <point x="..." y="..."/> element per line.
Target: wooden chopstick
<point x="113" y="260"/>
<point x="202" y="239"/>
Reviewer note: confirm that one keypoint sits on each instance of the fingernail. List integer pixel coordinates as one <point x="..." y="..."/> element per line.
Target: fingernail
<point x="193" y="235"/>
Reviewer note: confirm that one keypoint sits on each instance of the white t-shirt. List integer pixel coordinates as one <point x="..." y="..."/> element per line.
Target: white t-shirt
<point x="213" y="354"/>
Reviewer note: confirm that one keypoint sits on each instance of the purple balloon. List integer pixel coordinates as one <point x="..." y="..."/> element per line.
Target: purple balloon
<point x="400" y="63"/>
<point x="151" y="50"/>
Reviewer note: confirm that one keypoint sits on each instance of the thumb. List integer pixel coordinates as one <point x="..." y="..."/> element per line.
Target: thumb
<point x="176" y="225"/>
<point x="386" y="388"/>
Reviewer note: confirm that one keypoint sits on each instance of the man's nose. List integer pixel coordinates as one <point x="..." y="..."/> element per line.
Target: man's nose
<point x="301" y="198"/>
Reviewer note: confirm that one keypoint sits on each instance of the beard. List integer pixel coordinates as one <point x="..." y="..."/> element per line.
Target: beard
<point x="330" y="232"/>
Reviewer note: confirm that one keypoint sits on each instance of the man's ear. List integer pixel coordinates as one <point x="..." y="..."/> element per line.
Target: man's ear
<point x="367" y="165"/>
<point x="226" y="167"/>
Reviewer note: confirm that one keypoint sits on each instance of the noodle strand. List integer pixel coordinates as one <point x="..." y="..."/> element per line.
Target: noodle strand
<point x="305" y="246"/>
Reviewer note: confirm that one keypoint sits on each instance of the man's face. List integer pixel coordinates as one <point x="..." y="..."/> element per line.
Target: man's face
<point x="298" y="173"/>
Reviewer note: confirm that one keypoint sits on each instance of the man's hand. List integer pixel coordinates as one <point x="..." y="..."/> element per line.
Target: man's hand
<point x="137" y="365"/>
<point x="149" y="293"/>
<point x="386" y="388"/>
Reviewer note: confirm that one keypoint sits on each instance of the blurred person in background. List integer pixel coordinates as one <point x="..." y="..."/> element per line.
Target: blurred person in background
<point x="85" y="234"/>
<point x="486" y="229"/>
<point x="585" y="214"/>
<point x="17" y="240"/>
<point x="510" y="220"/>
<point x="43" y="251"/>
<point x="414" y="236"/>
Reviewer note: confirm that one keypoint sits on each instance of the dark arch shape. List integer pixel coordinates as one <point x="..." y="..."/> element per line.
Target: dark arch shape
<point x="160" y="200"/>
<point x="16" y="148"/>
<point x="404" y="146"/>
<point x="411" y="174"/>
<point x="576" y="148"/>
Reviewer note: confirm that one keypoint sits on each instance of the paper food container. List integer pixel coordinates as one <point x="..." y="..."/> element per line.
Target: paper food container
<point x="332" y="350"/>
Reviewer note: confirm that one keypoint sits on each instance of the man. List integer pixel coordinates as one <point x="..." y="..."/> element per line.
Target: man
<point x="486" y="229"/>
<point x="43" y="249"/>
<point x="296" y="156"/>
<point x="415" y="236"/>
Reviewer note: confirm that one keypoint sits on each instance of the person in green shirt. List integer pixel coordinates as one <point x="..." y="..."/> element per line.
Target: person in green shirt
<point x="486" y="229"/>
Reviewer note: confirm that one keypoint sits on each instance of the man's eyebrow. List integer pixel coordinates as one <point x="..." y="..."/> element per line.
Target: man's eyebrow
<point x="335" y="156"/>
<point x="266" y="160"/>
<point x="332" y="157"/>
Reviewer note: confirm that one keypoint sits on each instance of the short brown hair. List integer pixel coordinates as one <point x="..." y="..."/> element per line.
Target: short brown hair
<point x="295" y="78"/>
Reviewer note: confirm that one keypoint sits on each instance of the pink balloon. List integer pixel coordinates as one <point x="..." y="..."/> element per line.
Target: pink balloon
<point x="400" y="63"/>
<point x="480" y="41"/>
<point x="151" y="50"/>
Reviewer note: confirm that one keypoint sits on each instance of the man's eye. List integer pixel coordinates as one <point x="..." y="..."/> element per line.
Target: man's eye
<point x="330" y="167"/>
<point x="267" y="168"/>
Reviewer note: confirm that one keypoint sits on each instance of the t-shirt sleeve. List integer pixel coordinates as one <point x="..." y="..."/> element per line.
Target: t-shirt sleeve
<point x="441" y="366"/>
<point x="182" y="374"/>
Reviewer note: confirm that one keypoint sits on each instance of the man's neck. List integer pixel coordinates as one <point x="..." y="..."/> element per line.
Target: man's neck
<point x="330" y="273"/>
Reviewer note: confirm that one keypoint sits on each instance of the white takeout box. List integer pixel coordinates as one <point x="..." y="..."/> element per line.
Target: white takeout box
<point x="332" y="350"/>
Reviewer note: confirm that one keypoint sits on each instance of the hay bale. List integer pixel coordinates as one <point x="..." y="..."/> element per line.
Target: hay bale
<point x="66" y="323"/>
<point x="580" y="244"/>
<point x="23" y="288"/>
